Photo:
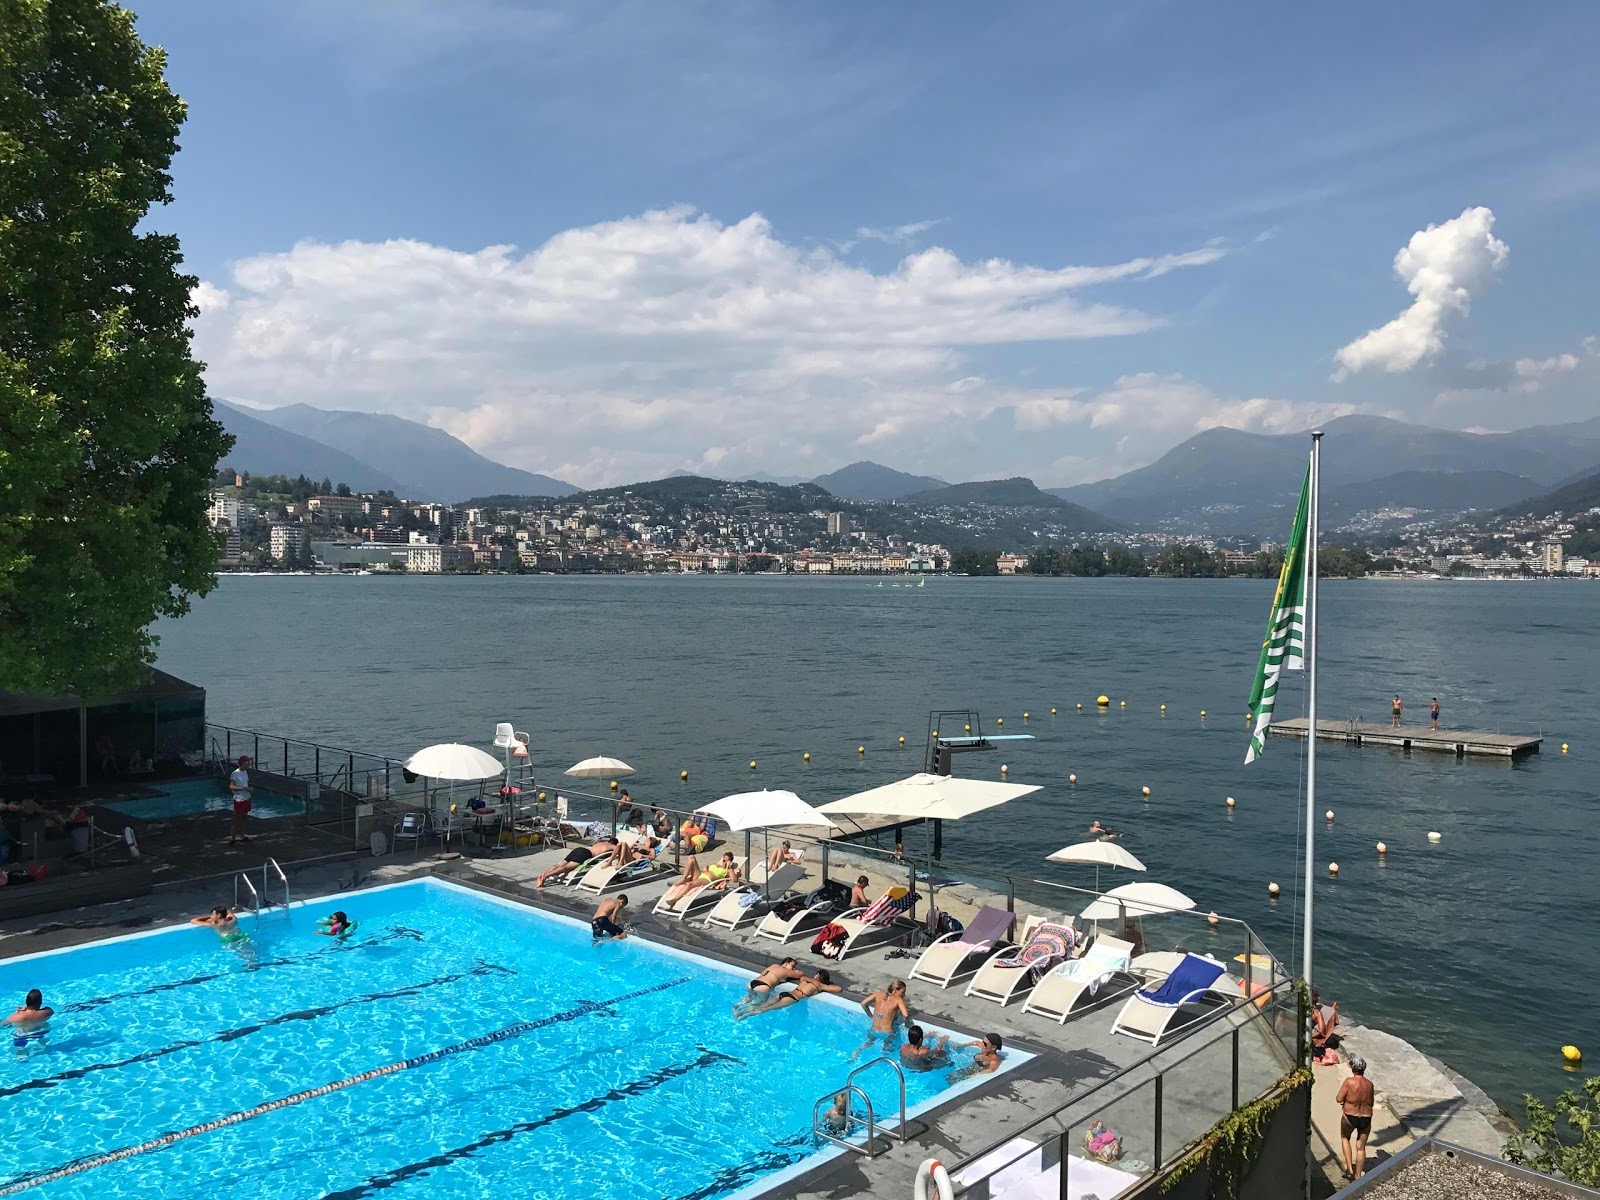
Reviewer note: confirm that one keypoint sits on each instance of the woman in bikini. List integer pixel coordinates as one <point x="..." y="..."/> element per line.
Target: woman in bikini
<point x="805" y="988"/>
<point x="761" y="986"/>
<point x="718" y="876"/>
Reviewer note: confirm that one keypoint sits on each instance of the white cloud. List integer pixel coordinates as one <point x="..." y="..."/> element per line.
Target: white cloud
<point x="622" y="350"/>
<point x="1443" y="266"/>
<point x="208" y="297"/>
<point x="898" y="235"/>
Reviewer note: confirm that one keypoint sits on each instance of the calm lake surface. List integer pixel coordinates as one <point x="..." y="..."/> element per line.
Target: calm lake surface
<point x="1480" y="949"/>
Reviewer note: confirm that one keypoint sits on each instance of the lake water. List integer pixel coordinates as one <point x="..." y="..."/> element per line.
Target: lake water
<point x="1479" y="949"/>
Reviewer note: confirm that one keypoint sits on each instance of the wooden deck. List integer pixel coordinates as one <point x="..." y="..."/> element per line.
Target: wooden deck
<point x="1415" y="737"/>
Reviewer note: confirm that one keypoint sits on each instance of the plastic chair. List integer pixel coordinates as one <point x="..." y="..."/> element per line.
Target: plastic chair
<point x="413" y="827"/>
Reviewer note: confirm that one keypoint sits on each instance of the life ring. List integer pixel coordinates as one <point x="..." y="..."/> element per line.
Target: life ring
<point x="932" y="1171"/>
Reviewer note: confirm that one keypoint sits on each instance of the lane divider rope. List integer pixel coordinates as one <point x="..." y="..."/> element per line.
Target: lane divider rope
<point x="487" y="1039"/>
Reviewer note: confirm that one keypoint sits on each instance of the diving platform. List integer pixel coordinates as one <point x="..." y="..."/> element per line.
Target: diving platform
<point x="1459" y="742"/>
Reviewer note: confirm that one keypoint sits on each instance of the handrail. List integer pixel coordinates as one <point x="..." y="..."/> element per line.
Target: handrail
<point x="900" y="1131"/>
<point x="842" y="1138"/>
<point x="255" y="896"/>
<point x="282" y="878"/>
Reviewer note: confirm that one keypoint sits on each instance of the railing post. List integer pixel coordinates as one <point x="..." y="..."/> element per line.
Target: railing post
<point x="256" y="757"/>
<point x="228" y="736"/>
<point x="1157" y="1163"/>
<point x="286" y="758"/>
<point x="1066" y="1158"/>
<point x="1235" y="1068"/>
<point x="316" y="762"/>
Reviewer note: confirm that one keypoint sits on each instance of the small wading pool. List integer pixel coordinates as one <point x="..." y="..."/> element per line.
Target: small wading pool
<point x="188" y="797"/>
<point x="453" y="1045"/>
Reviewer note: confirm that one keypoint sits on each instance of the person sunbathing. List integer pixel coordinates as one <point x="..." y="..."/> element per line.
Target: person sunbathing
<point x="780" y="855"/>
<point x="717" y="877"/>
<point x="639" y="849"/>
<point x="575" y="858"/>
<point x="804" y="988"/>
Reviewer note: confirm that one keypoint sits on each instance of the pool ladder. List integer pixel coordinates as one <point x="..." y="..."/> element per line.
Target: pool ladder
<point x="268" y="869"/>
<point x="842" y="1137"/>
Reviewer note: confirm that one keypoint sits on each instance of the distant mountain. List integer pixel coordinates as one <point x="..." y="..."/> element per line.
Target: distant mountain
<point x="1017" y="492"/>
<point x="874" y="481"/>
<point x="1576" y="497"/>
<point x="436" y="465"/>
<point x="1429" y="491"/>
<point x="679" y="491"/>
<point x="264" y="449"/>
<point x="1229" y="482"/>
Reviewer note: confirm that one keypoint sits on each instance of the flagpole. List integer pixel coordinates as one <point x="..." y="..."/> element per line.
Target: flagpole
<point x="1314" y="533"/>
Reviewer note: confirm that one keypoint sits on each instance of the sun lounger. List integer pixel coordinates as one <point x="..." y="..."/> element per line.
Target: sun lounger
<point x="1012" y="971"/>
<point x="732" y="910"/>
<point x="1195" y="986"/>
<point x="804" y="920"/>
<point x="1100" y="976"/>
<point x="689" y="902"/>
<point x="957" y="955"/>
<point x="1016" y="1171"/>
<point x="872" y="925"/>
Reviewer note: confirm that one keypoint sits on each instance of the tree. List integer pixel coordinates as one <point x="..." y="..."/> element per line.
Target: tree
<point x="1575" y="1156"/>
<point x="107" y="442"/>
<point x="969" y="560"/>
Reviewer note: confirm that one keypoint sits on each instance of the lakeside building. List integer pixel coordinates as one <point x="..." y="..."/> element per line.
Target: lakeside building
<point x="375" y="556"/>
<point x="337" y="507"/>
<point x="286" y="542"/>
<point x="433" y="559"/>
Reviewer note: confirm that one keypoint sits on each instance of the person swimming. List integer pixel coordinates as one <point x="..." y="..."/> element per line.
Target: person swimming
<point x="804" y="989"/>
<point x="761" y="986"/>
<point x="225" y="922"/>
<point x="30" y="1021"/>
<point x="338" y="925"/>
<point x="921" y="1054"/>
<point x="985" y="1062"/>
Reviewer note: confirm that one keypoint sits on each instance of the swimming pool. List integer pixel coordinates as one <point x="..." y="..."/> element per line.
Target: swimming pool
<point x="187" y="797"/>
<point x="454" y="1045"/>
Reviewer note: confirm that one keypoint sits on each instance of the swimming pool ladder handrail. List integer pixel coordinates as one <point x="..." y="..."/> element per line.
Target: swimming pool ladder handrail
<point x="900" y="1074"/>
<point x="842" y="1138"/>
<point x="255" y="896"/>
<point x="282" y="878"/>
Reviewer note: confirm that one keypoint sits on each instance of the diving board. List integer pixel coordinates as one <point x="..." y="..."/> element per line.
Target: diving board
<point x="984" y="739"/>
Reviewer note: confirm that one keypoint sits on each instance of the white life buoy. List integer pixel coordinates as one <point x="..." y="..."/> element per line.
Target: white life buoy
<point x="932" y="1171"/>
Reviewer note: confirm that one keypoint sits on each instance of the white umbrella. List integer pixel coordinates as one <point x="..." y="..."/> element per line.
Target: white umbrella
<point x="599" y="768"/>
<point x="765" y="810"/>
<point x="1141" y="899"/>
<point x="1097" y="855"/>
<point x="454" y="762"/>
<point x="933" y="797"/>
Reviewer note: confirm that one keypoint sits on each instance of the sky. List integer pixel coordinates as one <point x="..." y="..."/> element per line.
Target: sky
<point x="606" y="242"/>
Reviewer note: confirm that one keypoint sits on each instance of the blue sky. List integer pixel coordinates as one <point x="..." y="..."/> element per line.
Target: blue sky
<point x="611" y="241"/>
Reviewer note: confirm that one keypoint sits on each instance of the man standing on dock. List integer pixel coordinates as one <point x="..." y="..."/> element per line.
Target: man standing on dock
<point x="1434" y="712"/>
<point x="239" y="785"/>
<point x="1394" y="713"/>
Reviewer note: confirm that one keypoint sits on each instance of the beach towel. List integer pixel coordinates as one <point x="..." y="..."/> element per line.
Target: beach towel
<point x="1193" y="974"/>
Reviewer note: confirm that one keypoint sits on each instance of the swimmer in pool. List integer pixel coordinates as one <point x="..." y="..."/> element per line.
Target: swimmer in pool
<point x="986" y="1062"/>
<point x="887" y="1007"/>
<point x="921" y="1053"/>
<point x="761" y="986"/>
<point x="805" y="988"/>
<point x="226" y="924"/>
<point x="29" y="1022"/>
<point x="335" y="926"/>
<point x="607" y="917"/>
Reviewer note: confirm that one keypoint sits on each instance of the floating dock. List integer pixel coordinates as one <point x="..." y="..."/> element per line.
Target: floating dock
<point x="1415" y="737"/>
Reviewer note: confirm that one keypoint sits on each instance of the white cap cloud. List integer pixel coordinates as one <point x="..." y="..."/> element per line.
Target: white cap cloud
<point x="1443" y="266"/>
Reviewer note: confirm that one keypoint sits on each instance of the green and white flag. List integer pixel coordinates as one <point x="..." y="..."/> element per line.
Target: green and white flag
<point x="1286" y="628"/>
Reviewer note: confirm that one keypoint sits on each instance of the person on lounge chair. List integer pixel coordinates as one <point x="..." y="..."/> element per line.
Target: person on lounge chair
<point x="575" y="858"/>
<point x="606" y="917"/>
<point x="858" y="894"/>
<point x="780" y="855"/>
<point x="921" y="1055"/>
<point x="761" y="986"/>
<point x="718" y="878"/>
<point x="805" y="988"/>
<point x="1324" y="1020"/>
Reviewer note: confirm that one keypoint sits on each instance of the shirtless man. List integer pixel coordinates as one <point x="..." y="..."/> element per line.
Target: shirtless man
<point x="761" y="986"/>
<point x="919" y="1054"/>
<point x="575" y="858"/>
<point x="221" y="919"/>
<point x="987" y="1060"/>
<point x="858" y="894"/>
<point x="607" y="917"/>
<point x="805" y="987"/>
<point x="32" y="1011"/>
<point x="1355" y="1099"/>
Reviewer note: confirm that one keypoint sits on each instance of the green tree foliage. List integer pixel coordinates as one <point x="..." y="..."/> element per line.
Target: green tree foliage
<point x="1573" y="1152"/>
<point x="1190" y="562"/>
<point x="970" y="560"/>
<point x="107" y="443"/>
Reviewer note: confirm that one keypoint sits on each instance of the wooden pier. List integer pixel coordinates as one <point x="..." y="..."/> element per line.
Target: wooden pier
<point x="1415" y="737"/>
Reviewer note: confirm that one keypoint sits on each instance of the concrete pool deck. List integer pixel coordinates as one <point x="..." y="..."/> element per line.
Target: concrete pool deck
<point x="1070" y="1060"/>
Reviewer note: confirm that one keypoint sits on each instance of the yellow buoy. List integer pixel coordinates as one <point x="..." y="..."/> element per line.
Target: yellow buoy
<point x="902" y="741"/>
<point x="968" y="728"/>
<point x="1024" y="716"/>
<point x="1272" y="890"/>
<point x="1102" y="701"/>
<point x="861" y="749"/>
<point x="1202" y="714"/>
<point x="1328" y="816"/>
<point x="807" y="757"/>
<point x="1572" y="1054"/>
<point x="752" y="764"/>
<point x="1052" y="712"/>
<point x="683" y="775"/>
<point x="1333" y="869"/>
<point x="1434" y="837"/>
<point x="1080" y="708"/>
<point x="1004" y="768"/>
<point x="1124" y="703"/>
<point x="1145" y="791"/>
<point x="1163" y="708"/>
<point x="1230" y="801"/>
<point x="1563" y="747"/>
<point x="999" y="721"/>
<point x="1073" y="780"/>
<point x="613" y="785"/>
<point x="541" y="797"/>
<point x="1382" y="848"/>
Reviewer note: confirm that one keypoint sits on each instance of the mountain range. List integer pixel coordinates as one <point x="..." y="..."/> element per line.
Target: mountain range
<point x="371" y="452"/>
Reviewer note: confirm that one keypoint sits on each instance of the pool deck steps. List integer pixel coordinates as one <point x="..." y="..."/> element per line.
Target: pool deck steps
<point x="1459" y="742"/>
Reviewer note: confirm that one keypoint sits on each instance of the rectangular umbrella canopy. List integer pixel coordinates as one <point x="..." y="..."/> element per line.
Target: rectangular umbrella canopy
<point x="930" y="797"/>
<point x="766" y="810"/>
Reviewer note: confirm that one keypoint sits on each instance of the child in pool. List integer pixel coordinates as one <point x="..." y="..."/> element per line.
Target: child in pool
<point x="335" y="926"/>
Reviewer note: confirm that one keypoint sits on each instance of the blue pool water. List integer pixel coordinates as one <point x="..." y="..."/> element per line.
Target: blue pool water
<point x="625" y="1076"/>
<point x="187" y="797"/>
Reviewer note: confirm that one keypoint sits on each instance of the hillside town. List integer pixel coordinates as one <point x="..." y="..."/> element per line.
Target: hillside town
<point x="692" y="525"/>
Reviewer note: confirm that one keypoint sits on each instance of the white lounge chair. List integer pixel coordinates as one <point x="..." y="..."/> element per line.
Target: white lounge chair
<point x="957" y="955"/>
<point x="805" y="920"/>
<point x="732" y="911"/>
<point x="1196" y="987"/>
<point x="689" y="902"/>
<point x="1100" y="976"/>
<point x="1012" y="971"/>
<point x="600" y="877"/>
<point x="875" y="924"/>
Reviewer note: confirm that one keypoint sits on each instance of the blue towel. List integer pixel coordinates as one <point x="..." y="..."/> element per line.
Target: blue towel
<point x="1193" y="974"/>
